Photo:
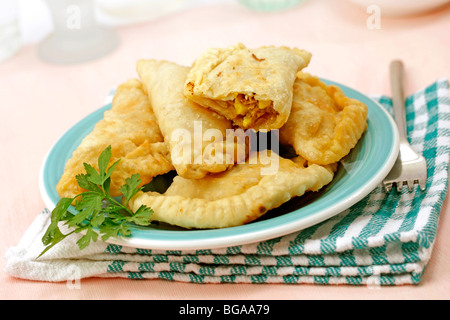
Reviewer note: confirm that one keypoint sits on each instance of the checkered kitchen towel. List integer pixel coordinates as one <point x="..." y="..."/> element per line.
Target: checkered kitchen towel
<point x="385" y="239"/>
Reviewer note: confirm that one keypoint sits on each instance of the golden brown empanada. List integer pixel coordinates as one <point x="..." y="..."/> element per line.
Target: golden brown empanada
<point x="251" y="87"/>
<point x="234" y="197"/>
<point x="131" y="129"/>
<point x="195" y="136"/>
<point x="324" y="124"/>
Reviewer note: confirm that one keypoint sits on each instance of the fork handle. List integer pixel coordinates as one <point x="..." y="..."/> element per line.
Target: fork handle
<point x="398" y="96"/>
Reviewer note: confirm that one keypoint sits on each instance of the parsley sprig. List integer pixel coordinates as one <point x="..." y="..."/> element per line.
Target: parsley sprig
<point x="98" y="213"/>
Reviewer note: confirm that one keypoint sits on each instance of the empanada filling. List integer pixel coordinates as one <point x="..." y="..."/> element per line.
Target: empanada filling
<point x="249" y="110"/>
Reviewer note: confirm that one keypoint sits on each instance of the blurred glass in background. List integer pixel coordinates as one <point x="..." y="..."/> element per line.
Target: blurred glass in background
<point x="76" y="36"/>
<point x="10" y="39"/>
<point x="75" y="31"/>
<point x="270" y="5"/>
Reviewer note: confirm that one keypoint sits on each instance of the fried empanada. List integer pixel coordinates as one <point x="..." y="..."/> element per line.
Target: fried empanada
<point x="234" y="197"/>
<point x="131" y="129"/>
<point x="324" y="124"/>
<point x="251" y="87"/>
<point x="196" y="137"/>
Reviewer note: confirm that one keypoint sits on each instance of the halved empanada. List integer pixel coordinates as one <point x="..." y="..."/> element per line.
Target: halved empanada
<point x="251" y="87"/>
<point x="324" y="124"/>
<point x="195" y="136"/>
<point x="130" y="128"/>
<point x="235" y="197"/>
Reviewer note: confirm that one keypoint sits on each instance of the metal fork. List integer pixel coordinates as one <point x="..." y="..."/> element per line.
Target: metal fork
<point x="410" y="168"/>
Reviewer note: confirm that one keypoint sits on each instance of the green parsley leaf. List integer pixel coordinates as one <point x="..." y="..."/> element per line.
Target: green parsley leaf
<point x="87" y="206"/>
<point x="98" y="213"/>
<point x="103" y="160"/>
<point x="130" y="188"/>
<point x="89" y="236"/>
<point x="83" y="182"/>
<point x="111" y="169"/>
<point x="142" y="215"/>
<point x="92" y="175"/>
<point x="57" y="215"/>
<point x="57" y="237"/>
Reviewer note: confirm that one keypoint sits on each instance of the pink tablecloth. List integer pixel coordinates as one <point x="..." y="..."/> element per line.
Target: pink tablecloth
<point x="39" y="102"/>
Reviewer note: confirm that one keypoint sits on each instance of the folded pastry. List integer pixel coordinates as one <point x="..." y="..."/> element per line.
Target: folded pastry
<point x="251" y="87"/>
<point x="196" y="137"/>
<point x="324" y="124"/>
<point x="131" y="129"/>
<point x="234" y="197"/>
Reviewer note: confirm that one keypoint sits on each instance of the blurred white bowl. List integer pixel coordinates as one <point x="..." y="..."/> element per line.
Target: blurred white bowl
<point x="401" y="7"/>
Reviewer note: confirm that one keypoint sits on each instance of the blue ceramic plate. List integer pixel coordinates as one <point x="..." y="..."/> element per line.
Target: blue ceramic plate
<point x="359" y="173"/>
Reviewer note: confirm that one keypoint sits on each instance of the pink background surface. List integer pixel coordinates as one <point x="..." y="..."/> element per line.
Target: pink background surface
<point x="39" y="102"/>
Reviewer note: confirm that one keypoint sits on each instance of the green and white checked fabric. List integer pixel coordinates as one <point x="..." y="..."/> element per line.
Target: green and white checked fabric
<point x="385" y="239"/>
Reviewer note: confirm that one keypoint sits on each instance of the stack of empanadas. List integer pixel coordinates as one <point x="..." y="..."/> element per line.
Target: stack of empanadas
<point x="199" y="122"/>
<point x="253" y="88"/>
<point x="131" y="129"/>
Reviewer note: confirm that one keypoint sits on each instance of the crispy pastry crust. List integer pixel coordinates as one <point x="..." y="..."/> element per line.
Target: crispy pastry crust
<point x="264" y="74"/>
<point x="131" y="129"/>
<point x="324" y="124"/>
<point x="235" y="197"/>
<point x="164" y="82"/>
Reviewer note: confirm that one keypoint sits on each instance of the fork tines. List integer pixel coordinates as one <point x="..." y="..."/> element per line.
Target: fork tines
<point x="400" y="184"/>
